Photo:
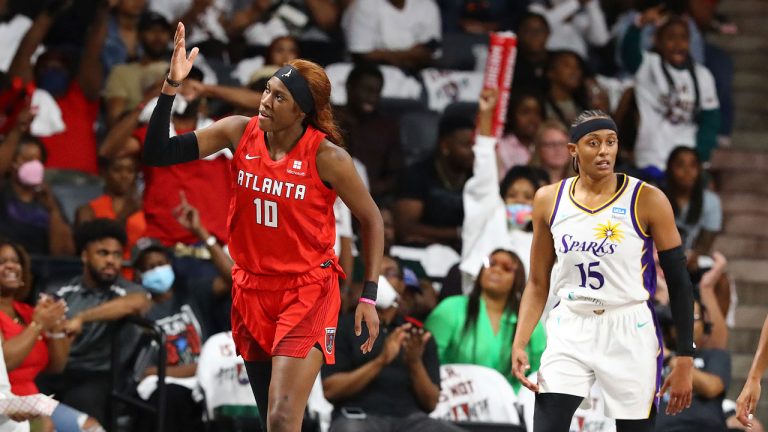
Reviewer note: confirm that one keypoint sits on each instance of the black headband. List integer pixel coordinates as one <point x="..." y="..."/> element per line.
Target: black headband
<point x="591" y="125"/>
<point x="298" y="86"/>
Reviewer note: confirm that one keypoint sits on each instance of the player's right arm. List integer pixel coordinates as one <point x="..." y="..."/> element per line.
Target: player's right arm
<point x="537" y="288"/>
<point x="750" y="394"/>
<point x="159" y="149"/>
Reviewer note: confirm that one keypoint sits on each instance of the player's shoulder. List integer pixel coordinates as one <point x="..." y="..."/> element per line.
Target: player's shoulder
<point x="330" y="152"/>
<point x="547" y="194"/>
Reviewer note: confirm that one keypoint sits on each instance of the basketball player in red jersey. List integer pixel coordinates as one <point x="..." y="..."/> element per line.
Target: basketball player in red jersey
<point x="287" y="171"/>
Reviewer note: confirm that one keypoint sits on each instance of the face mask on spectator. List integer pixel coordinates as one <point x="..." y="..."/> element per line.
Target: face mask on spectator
<point x="158" y="280"/>
<point x="519" y="215"/>
<point x="386" y="296"/>
<point x="54" y="81"/>
<point x="30" y="173"/>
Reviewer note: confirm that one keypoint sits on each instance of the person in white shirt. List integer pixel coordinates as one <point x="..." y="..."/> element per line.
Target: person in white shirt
<point x="576" y="24"/>
<point x="402" y="33"/>
<point x="676" y="96"/>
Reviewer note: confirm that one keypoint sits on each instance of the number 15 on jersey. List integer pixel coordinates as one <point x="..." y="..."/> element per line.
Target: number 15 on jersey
<point x="591" y="275"/>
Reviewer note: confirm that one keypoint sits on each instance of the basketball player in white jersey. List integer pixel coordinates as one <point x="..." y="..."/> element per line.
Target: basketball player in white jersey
<point x="594" y="234"/>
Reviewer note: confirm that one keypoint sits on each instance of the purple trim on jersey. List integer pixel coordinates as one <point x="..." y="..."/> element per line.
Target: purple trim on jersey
<point x="649" y="274"/>
<point x="632" y="214"/>
<point x="602" y="207"/>
<point x="557" y="202"/>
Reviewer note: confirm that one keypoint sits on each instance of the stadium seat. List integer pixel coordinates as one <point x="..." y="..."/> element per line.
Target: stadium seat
<point x="476" y="394"/>
<point x="418" y="135"/>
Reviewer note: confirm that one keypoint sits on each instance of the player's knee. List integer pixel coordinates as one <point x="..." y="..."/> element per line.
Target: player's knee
<point x="282" y="419"/>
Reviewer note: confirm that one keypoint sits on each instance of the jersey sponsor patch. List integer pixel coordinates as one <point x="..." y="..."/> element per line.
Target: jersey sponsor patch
<point x="330" y="339"/>
<point x="619" y="210"/>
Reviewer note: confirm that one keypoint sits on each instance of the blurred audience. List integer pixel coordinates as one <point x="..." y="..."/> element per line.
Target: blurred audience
<point x="524" y="116"/>
<point x="395" y="386"/>
<point x="401" y="33"/>
<point x="29" y="213"/>
<point x="577" y="25"/>
<point x="131" y="84"/>
<point x="531" y="60"/>
<point x="371" y="137"/>
<point x="551" y="151"/>
<point x="479" y="328"/>
<point x="123" y="43"/>
<point x="566" y="93"/>
<point x="676" y="96"/>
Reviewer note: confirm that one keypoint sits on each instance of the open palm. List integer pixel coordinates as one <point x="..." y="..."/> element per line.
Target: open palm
<point x="180" y="63"/>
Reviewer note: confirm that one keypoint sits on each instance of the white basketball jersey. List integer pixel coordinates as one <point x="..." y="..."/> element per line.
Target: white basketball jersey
<point x="604" y="258"/>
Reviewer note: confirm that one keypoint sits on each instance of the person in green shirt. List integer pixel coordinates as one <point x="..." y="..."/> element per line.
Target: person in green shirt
<point x="479" y="328"/>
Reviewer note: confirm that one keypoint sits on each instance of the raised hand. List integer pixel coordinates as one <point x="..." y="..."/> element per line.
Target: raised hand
<point x="187" y="215"/>
<point x="180" y="63"/>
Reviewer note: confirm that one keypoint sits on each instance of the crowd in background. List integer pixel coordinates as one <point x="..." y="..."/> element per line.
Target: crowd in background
<point x="90" y="235"/>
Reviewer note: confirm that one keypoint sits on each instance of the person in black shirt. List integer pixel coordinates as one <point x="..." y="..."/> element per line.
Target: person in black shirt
<point x="429" y="205"/>
<point x="392" y="388"/>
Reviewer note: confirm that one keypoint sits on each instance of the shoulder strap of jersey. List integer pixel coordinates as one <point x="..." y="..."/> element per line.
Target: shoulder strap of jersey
<point x="637" y="187"/>
<point x="248" y="135"/>
<point x="555" y="206"/>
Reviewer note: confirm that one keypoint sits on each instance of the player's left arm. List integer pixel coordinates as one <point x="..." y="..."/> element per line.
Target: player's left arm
<point x="657" y="219"/>
<point x="335" y="167"/>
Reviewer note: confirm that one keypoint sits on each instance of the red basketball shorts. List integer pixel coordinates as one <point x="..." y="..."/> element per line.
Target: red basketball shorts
<point x="268" y="323"/>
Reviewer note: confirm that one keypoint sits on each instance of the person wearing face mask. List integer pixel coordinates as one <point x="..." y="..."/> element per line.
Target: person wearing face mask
<point x="478" y="328"/>
<point x="497" y="215"/>
<point x="29" y="214"/>
<point x="172" y="311"/>
<point x="75" y="87"/>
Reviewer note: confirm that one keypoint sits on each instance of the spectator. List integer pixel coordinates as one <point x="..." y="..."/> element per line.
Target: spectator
<point x="566" y="94"/>
<point x="123" y="42"/>
<point x="478" y="16"/>
<point x="524" y="116"/>
<point x="205" y="21"/>
<point x="33" y="338"/>
<point x="395" y="386"/>
<point x="401" y="33"/>
<point x="29" y="214"/>
<point x="372" y="137"/>
<point x="711" y="377"/>
<point x="175" y="314"/>
<point x="13" y="26"/>
<point x="119" y="202"/>
<point x="95" y="300"/>
<point x="479" y="328"/>
<point x="129" y="85"/>
<point x="531" y="61"/>
<point x="77" y="96"/>
<point x="698" y="212"/>
<point x="281" y="50"/>
<point x="576" y="25"/>
<point x="415" y="300"/>
<point x="675" y="96"/>
<point x="551" y="151"/>
<point x="428" y="207"/>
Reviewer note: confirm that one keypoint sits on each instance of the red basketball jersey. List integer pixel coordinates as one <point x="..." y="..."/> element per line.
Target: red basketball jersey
<point x="281" y="223"/>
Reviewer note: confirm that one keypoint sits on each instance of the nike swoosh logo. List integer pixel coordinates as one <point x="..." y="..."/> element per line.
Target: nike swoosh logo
<point x="249" y="157"/>
<point x="642" y="324"/>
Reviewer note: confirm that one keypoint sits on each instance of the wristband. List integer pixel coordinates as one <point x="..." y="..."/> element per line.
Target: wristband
<point x="367" y="301"/>
<point x="370" y="289"/>
<point x="172" y="83"/>
<point x="210" y="241"/>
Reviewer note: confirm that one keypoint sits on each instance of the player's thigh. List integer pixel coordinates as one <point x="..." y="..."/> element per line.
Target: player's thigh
<point x="628" y="370"/>
<point x="291" y="383"/>
<point x="564" y="364"/>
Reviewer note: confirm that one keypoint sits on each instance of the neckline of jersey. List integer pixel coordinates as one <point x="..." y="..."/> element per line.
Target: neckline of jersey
<point x="602" y="207"/>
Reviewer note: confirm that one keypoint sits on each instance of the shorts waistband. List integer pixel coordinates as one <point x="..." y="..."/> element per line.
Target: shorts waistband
<point x="602" y="311"/>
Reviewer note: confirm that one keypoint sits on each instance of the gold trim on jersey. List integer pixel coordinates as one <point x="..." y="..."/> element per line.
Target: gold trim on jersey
<point x="598" y="209"/>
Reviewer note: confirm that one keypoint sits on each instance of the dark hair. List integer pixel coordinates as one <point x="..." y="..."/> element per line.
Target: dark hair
<point x="259" y="85"/>
<point x="196" y="74"/>
<point x="320" y="87"/>
<point x="672" y="20"/>
<point x="533" y="16"/>
<point x="364" y="69"/>
<point x="138" y="262"/>
<point x="672" y="189"/>
<point x="98" y="229"/>
<point x="579" y="95"/>
<point x="516" y="98"/>
<point x="513" y="299"/>
<point x="25" y="262"/>
<point x="536" y="176"/>
<point x="588" y="115"/>
<point x="27" y="139"/>
<point x="450" y="123"/>
<point x="273" y="45"/>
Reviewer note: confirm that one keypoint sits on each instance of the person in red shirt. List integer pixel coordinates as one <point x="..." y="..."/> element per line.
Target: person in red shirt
<point x="286" y="174"/>
<point x="33" y="337"/>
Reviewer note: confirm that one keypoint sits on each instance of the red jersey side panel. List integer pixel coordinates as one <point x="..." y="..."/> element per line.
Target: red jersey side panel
<point x="281" y="223"/>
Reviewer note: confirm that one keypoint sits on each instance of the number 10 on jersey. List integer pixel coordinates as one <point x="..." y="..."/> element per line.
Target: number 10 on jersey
<point x="266" y="212"/>
<point x="590" y="275"/>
